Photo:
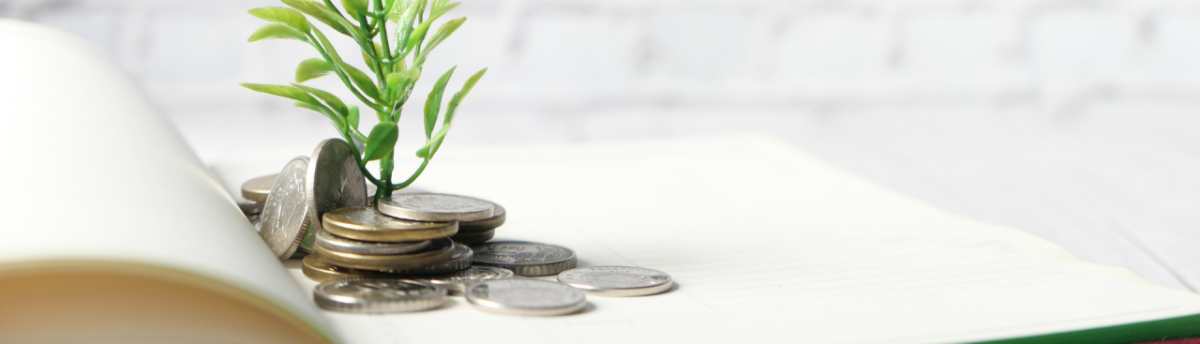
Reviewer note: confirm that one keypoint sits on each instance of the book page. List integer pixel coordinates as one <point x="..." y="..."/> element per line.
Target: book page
<point x="94" y="173"/>
<point x="766" y="244"/>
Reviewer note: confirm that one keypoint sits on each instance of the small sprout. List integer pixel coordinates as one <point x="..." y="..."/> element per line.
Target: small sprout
<point x="394" y="56"/>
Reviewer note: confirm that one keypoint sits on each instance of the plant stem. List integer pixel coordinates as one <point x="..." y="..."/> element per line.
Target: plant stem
<point x="413" y="177"/>
<point x="332" y="7"/>
<point x="340" y="73"/>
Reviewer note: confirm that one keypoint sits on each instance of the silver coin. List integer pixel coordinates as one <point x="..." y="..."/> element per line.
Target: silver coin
<point x="257" y="189"/>
<point x="340" y="244"/>
<point x="499" y="215"/>
<point x="525" y="258"/>
<point x="334" y="180"/>
<point x="286" y="213"/>
<point x="617" y="280"/>
<point x="460" y="259"/>
<point x="524" y="296"/>
<point x="457" y="282"/>
<point x="370" y="295"/>
<point x="435" y="207"/>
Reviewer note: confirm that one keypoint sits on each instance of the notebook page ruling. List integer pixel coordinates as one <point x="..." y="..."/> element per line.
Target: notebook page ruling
<point x="765" y="244"/>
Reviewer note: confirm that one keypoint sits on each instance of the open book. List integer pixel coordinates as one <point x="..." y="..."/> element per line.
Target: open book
<point x="115" y="232"/>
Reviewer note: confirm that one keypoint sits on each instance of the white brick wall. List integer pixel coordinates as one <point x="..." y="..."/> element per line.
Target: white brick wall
<point x="553" y="63"/>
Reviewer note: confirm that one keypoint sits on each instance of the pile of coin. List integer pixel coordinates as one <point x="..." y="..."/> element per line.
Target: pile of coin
<point x="411" y="250"/>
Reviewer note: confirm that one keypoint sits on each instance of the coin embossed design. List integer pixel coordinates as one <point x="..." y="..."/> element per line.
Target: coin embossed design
<point x="371" y="295"/>
<point x="257" y="189"/>
<point x="336" y="243"/>
<point x="334" y="180"/>
<point x="286" y="213"/>
<point x="525" y="258"/>
<point x="459" y="259"/>
<point x="524" y="296"/>
<point x="435" y="207"/>
<point x="499" y="215"/>
<point x="617" y="280"/>
<point x="458" y="281"/>
<point x="367" y="224"/>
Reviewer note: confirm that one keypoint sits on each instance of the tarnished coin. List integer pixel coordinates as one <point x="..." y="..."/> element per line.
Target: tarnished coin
<point x="286" y="213"/>
<point x="435" y="207"/>
<point x="474" y="238"/>
<point x="488" y="224"/>
<point x="257" y="189"/>
<point x="525" y="258"/>
<point x="306" y="243"/>
<point x="367" y="224"/>
<point x="458" y="281"/>
<point x="319" y="270"/>
<point x="617" y="280"/>
<point x="340" y="244"/>
<point x="334" y="181"/>
<point x="459" y="259"/>
<point x="525" y="296"/>
<point x="440" y="251"/>
<point x="250" y="208"/>
<point x="371" y="295"/>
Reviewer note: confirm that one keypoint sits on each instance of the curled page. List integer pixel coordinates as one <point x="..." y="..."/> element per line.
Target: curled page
<point x="113" y="227"/>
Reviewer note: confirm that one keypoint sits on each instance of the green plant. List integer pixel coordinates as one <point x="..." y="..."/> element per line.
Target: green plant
<point x="395" y="61"/>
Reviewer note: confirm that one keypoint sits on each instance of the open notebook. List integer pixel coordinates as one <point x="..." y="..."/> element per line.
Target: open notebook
<point x="116" y="233"/>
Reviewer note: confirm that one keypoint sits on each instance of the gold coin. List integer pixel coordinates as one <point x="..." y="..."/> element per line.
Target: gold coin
<point x="319" y="270"/>
<point x="474" y="238"/>
<point x="257" y="189"/>
<point x="440" y="251"/>
<point x="366" y="224"/>
<point x="479" y="226"/>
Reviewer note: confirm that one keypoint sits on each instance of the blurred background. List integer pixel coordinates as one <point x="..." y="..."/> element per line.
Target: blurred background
<point x="1072" y="119"/>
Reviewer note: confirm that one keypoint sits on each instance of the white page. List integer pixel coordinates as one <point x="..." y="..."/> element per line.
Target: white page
<point x="94" y="172"/>
<point x="766" y="244"/>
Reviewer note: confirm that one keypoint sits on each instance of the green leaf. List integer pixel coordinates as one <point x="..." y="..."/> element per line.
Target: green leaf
<point x="282" y="91"/>
<point x="363" y="81"/>
<point x="433" y="104"/>
<point x="283" y="15"/>
<point x="397" y="79"/>
<point x="312" y="68"/>
<point x="405" y="27"/>
<point x="320" y="12"/>
<point x="431" y="146"/>
<point x="337" y="122"/>
<point x="329" y="49"/>
<point x="381" y="141"/>
<point x="442" y="33"/>
<point x="354" y="7"/>
<point x="330" y="99"/>
<point x="439" y="10"/>
<point x="367" y="58"/>
<point x="277" y="30"/>
<point x="396" y="9"/>
<point x="352" y="118"/>
<point x="458" y="97"/>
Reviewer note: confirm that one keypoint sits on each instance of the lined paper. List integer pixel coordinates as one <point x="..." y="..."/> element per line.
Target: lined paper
<point x="765" y="244"/>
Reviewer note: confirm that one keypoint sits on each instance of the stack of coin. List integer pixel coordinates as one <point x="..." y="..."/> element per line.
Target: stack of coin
<point x="477" y="219"/>
<point x="255" y="193"/>
<point x="361" y="242"/>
